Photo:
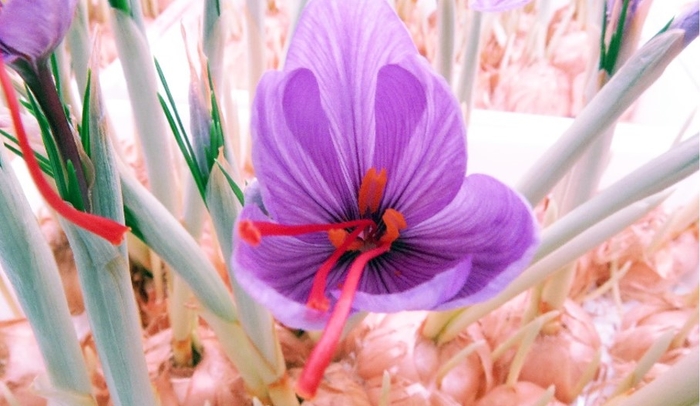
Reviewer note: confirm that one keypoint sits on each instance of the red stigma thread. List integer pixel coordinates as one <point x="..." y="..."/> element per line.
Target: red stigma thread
<point x="102" y="226"/>
<point x="369" y="238"/>
<point x="322" y="353"/>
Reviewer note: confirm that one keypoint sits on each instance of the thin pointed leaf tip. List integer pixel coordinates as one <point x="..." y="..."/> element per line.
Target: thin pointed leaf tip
<point x="364" y="203"/>
<point x="30" y="30"/>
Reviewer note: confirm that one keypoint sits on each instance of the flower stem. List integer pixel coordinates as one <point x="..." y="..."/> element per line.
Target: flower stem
<point x="446" y="38"/>
<point x="470" y="63"/>
<point x="677" y="386"/>
<point x="44" y="89"/>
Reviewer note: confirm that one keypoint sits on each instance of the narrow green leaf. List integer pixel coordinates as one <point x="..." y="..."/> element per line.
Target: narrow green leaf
<point x="184" y="145"/>
<point x="85" y="125"/>
<point x="14" y="148"/>
<point x="50" y="146"/>
<point x="236" y="190"/>
<point x="73" y="190"/>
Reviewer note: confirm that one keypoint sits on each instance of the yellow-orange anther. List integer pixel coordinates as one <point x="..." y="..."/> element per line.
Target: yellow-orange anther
<point x="394" y="221"/>
<point x="371" y="191"/>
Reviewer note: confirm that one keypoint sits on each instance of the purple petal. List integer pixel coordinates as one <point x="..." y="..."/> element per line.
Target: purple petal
<point x="497" y="5"/>
<point x="31" y="30"/>
<point x="420" y="139"/>
<point x="300" y="180"/>
<point x="488" y="221"/>
<point x="354" y="95"/>
<point x="406" y="282"/>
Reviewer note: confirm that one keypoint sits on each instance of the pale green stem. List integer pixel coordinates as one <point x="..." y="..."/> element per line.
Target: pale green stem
<point x="585" y="176"/>
<point x="182" y="317"/>
<point x="589" y="373"/>
<point x="686" y="329"/>
<point x="584" y="242"/>
<point x="679" y="221"/>
<point x="255" y="25"/>
<point x="256" y="373"/>
<point x="653" y="177"/>
<point x="607" y="106"/>
<point x="650" y="357"/>
<point x="446" y="38"/>
<point x="678" y="386"/>
<point x="166" y="236"/>
<point x="556" y="289"/>
<point x="104" y="276"/>
<point x="78" y="41"/>
<point x="29" y="265"/>
<point x="530" y="333"/>
<point x="8" y="298"/>
<point x="255" y="319"/>
<point x="103" y="270"/>
<point x="470" y="63"/>
<point x="457" y="359"/>
<point x="518" y="337"/>
<point x="386" y="389"/>
<point x="436" y="321"/>
<point x="213" y="40"/>
<point x="546" y="397"/>
<point x="137" y="63"/>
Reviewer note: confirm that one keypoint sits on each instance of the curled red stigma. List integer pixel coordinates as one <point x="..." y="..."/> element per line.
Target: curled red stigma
<point x="102" y="226"/>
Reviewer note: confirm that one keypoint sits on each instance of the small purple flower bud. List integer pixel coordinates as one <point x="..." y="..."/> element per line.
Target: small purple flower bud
<point x="31" y="30"/>
<point x="687" y="20"/>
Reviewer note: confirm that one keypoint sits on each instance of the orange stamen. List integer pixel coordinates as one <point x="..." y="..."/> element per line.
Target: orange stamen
<point x="371" y="191"/>
<point x="317" y="298"/>
<point x="394" y="221"/>
<point x="325" y="348"/>
<point x="102" y="226"/>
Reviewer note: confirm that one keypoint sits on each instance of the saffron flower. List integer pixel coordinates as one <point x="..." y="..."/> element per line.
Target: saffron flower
<point x="363" y="204"/>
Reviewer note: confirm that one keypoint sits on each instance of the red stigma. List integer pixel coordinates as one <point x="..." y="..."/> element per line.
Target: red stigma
<point x="365" y="236"/>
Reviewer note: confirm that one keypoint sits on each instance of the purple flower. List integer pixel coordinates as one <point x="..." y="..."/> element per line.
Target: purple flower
<point x="359" y="149"/>
<point x="497" y="5"/>
<point x="30" y="30"/>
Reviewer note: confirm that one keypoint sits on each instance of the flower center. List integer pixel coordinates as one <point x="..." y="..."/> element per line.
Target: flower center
<point x="366" y="236"/>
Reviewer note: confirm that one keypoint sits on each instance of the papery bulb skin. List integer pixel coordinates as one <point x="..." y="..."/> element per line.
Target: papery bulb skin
<point x="644" y="324"/>
<point x="340" y="386"/>
<point x="394" y="343"/>
<point x="522" y="393"/>
<point x="562" y="352"/>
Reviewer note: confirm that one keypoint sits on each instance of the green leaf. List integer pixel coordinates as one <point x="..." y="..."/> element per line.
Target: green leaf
<point x="85" y="125"/>
<point x="236" y="190"/>
<point x="178" y="129"/>
<point x="58" y="169"/>
<point x="14" y="148"/>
